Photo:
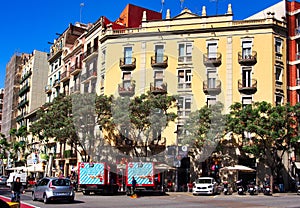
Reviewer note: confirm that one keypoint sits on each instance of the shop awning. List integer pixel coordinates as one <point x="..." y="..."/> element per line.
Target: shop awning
<point x="238" y="168"/>
<point x="35" y="168"/>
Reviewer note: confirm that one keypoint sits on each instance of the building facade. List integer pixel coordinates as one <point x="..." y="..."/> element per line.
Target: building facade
<point x="10" y="101"/>
<point x="293" y="19"/>
<point x="202" y="59"/>
<point x="1" y="106"/>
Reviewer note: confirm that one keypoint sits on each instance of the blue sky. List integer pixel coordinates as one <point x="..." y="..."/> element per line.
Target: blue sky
<point x="31" y="24"/>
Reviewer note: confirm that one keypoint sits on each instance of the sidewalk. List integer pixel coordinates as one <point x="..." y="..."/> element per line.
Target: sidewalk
<point x="23" y="205"/>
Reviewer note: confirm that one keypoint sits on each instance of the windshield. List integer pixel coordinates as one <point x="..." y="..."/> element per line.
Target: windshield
<point x="200" y="180"/>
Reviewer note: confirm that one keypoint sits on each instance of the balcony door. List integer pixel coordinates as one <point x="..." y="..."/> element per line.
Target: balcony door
<point x="212" y="49"/>
<point x="159" y="53"/>
<point x="247" y="49"/>
<point x="211" y="79"/>
<point x="158" y="78"/>
<point x="128" y="55"/>
<point x="126" y="80"/>
<point x="246" y="77"/>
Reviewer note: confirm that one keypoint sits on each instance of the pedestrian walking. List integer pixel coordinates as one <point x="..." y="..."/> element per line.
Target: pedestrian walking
<point x="133" y="183"/>
<point x="16" y="190"/>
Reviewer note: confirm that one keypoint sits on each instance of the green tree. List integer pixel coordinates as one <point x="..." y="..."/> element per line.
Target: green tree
<point x="202" y="132"/>
<point x="135" y="125"/>
<point x="267" y="132"/>
<point x="54" y="120"/>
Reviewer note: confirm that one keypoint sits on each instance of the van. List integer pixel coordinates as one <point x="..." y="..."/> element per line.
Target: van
<point x="12" y="177"/>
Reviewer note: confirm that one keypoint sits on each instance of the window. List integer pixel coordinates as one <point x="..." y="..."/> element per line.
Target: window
<point x="158" y="78"/>
<point x="278" y="73"/>
<point x="212" y="49"/>
<point x="211" y="79"/>
<point x="184" y="78"/>
<point x="102" y="81"/>
<point x="86" y="87"/>
<point x="96" y="43"/>
<point x="128" y="55"/>
<point x="278" y="99"/>
<point x="246" y="101"/>
<point x="184" y="106"/>
<point x="246" y="49"/>
<point x="278" y="45"/>
<point x="185" y="52"/>
<point x="246" y="77"/>
<point x="159" y="54"/>
<point x="103" y="56"/>
<point x="211" y="101"/>
<point x="126" y="80"/>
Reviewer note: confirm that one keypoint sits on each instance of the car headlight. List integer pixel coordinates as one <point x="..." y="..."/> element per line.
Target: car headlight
<point x="210" y="186"/>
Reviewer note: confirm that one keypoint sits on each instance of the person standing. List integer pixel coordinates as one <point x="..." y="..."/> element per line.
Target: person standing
<point x="133" y="184"/>
<point x="16" y="190"/>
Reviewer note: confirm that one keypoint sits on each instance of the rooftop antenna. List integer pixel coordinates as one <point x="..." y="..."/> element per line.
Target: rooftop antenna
<point x="162" y="5"/>
<point x="81" y="5"/>
<point x="217" y="2"/>
<point x="181" y="3"/>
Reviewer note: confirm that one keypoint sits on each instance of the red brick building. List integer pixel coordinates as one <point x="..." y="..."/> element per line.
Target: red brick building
<point x="293" y="51"/>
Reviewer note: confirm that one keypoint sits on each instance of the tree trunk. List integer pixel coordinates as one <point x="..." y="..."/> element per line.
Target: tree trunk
<point x="271" y="182"/>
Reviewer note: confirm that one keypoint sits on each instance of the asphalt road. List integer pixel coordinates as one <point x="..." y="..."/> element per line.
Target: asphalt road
<point x="171" y="200"/>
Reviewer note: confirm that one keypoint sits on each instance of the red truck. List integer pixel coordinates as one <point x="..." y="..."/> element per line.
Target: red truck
<point x="97" y="178"/>
<point x="147" y="180"/>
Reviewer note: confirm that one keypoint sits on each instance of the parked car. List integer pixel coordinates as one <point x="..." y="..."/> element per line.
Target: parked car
<point x="205" y="185"/>
<point x="3" y="180"/>
<point x="49" y="188"/>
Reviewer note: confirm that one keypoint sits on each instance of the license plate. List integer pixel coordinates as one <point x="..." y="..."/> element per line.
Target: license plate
<point x="240" y="189"/>
<point x="251" y="189"/>
<point x="62" y="194"/>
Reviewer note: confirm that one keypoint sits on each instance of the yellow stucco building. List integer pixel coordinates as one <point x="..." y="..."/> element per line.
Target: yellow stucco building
<point x="202" y="59"/>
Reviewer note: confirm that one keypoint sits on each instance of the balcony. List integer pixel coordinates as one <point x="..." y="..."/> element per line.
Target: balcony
<point x="247" y="60"/>
<point x="91" y="74"/>
<point x="25" y="76"/>
<point x="127" y="63"/>
<point x="23" y="103"/>
<point x="159" y="61"/>
<point x="247" y="88"/>
<point x="90" y="51"/>
<point x="56" y="83"/>
<point x="24" y="89"/>
<point x="126" y="89"/>
<point x="75" y="69"/>
<point x="212" y="59"/>
<point x="75" y="89"/>
<point x="158" y="89"/>
<point x="213" y="88"/>
<point x="48" y="89"/>
<point x="65" y="76"/>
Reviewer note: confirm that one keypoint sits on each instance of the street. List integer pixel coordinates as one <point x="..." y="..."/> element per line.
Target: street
<point x="171" y="200"/>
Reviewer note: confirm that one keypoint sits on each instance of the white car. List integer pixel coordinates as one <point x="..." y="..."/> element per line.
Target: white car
<point x="205" y="185"/>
